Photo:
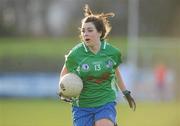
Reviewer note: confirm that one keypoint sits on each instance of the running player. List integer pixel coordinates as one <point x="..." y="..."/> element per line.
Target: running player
<point x="96" y="62"/>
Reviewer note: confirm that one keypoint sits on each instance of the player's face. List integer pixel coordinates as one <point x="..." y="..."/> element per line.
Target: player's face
<point x="89" y="34"/>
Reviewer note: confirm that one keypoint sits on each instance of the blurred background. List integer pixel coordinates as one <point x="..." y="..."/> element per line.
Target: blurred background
<point x="36" y="34"/>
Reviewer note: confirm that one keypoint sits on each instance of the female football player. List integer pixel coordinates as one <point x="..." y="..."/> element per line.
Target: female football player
<point x="96" y="62"/>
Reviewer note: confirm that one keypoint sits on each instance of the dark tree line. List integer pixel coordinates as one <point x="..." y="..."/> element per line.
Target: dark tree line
<point x="62" y="17"/>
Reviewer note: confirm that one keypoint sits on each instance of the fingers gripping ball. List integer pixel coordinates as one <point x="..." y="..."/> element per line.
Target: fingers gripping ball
<point x="70" y="85"/>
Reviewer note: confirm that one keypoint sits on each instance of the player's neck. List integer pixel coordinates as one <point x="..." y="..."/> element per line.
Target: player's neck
<point x="95" y="49"/>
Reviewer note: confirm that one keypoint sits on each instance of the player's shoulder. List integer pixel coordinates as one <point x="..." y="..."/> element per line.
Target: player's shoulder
<point x="111" y="48"/>
<point x="113" y="52"/>
<point x="77" y="49"/>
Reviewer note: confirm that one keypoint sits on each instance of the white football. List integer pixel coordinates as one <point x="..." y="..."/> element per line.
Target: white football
<point x="70" y="85"/>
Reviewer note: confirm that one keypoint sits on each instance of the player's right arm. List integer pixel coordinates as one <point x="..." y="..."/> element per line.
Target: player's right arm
<point x="63" y="71"/>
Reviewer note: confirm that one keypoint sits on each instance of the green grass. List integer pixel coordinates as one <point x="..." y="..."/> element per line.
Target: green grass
<point x="34" y="113"/>
<point x="150" y="114"/>
<point x="42" y="47"/>
<point x="55" y="48"/>
<point x="34" y="47"/>
<point x="44" y="112"/>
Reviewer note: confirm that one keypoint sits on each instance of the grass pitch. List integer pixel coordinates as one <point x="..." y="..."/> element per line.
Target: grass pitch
<point x="52" y="112"/>
<point x="43" y="47"/>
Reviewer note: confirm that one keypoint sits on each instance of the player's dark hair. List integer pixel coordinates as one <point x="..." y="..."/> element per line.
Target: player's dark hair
<point x="100" y="21"/>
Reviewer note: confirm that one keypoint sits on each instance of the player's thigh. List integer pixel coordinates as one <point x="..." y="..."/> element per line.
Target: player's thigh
<point x="106" y="115"/>
<point x="82" y="117"/>
<point x="104" y="122"/>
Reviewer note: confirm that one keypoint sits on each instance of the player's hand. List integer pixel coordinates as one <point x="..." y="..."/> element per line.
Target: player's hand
<point x="69" y="100"/>
<point x="130" y="99"/>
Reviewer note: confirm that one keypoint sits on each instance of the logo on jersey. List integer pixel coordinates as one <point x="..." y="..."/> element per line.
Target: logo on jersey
<point x="109" y="64"/>
<point x="85" y="67"/>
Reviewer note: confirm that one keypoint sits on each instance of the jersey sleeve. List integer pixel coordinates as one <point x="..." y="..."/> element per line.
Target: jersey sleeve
<point x="117" y="58"/>
<point x="70" y="62"/>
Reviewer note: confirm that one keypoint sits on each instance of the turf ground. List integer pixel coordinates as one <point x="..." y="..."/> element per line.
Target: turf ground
<point x="43" y="47"/>
<point x="52" y="112"/>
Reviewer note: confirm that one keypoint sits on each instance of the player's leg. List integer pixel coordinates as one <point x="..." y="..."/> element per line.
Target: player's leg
<point x="82" y="117"/>
<point x="104" y="122"/>
<point x="106" y="115"/>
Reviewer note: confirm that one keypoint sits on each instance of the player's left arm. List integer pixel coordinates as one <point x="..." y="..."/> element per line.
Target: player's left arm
<point x="126" y="93"/>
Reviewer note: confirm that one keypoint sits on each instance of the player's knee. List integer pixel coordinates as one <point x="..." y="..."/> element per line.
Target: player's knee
<point x="104" y="122"/>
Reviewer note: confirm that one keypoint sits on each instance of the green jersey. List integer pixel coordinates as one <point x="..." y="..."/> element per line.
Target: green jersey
<point x="97" y="72"/>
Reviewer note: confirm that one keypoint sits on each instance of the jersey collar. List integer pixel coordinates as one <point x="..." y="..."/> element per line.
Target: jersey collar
<point x="103" y="46"/>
